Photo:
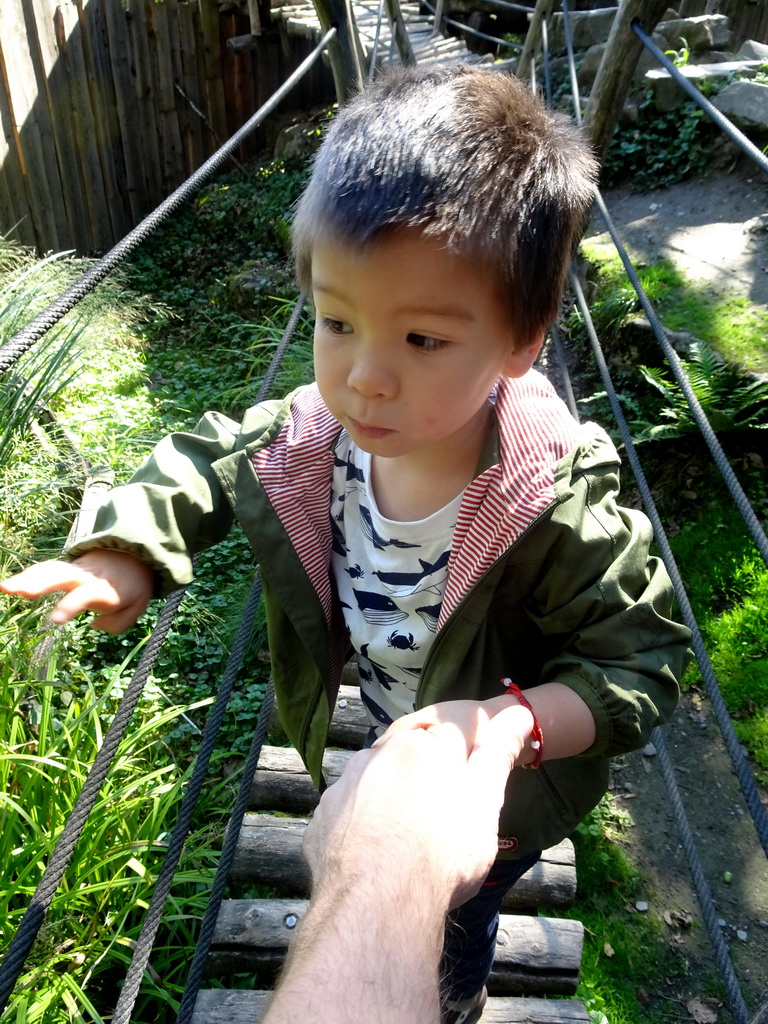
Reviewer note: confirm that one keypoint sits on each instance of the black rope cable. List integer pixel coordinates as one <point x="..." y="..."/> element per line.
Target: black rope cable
<point x="570" y="398"/>
<point x="41" y="323"/>
<point x="722" y="122"/>
<point x="741" y="500"/>
<point x="756" y="809"/>
<point x="228" y="849"/>
<point x="747" y="782"/>
<point x="751" y="795"/>
<point x="164" y="881"/>
<point x="706" y="902"/>
<point x="30" y="924"/>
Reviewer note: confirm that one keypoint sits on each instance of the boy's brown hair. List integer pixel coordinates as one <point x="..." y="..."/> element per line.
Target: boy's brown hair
<point x="468" y="155"/>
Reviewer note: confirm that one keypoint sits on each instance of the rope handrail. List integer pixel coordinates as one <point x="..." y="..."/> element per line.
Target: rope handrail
<point x="740" y="498"/>
<point x="757" y="811"/>
<point x="749" y="788"/>
<point x="36" y="328"/>
<point x="751" y="795"/>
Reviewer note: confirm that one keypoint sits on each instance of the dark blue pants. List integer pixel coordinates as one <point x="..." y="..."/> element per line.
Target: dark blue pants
<point x="470" y="931"/>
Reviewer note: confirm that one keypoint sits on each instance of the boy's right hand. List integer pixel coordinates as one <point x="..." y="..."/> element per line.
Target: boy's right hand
<point x="113" y="584"/>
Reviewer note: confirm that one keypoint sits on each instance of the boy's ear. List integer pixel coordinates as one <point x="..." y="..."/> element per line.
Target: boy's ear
<point x="522" y="358"/>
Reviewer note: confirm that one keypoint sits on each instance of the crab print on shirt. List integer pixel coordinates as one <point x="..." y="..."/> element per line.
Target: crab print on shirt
<point x="390" y="577"/>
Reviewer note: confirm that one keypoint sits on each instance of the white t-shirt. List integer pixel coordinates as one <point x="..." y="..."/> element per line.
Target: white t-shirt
<point x="390" y="577"/>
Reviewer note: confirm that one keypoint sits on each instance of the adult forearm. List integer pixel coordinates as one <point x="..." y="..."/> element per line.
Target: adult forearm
<point x="368" y="951"/>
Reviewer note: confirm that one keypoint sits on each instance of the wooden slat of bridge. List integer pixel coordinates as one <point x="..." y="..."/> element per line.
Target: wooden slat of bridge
<point x="300" y="19"/>
<point x="536" y="956"/>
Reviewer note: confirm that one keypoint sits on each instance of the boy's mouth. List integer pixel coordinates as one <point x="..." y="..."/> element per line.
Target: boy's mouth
<point x="367" y="430"/>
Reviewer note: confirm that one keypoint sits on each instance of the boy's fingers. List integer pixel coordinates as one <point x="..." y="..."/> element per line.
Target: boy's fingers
<point x="44" y="578"/>
<point x="91" y="594"/>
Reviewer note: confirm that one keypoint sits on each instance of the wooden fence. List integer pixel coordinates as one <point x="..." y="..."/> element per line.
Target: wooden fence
<point x="108" y="105"/>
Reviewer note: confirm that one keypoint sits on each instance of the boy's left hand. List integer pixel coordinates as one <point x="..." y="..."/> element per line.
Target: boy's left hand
<point x="471" y="717"/>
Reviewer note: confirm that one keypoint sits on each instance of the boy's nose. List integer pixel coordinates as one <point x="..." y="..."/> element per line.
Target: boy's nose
<point x="372" y="377"/>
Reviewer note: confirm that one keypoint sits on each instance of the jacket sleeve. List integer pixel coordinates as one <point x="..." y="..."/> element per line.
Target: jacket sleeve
<point x="606" y="604"/>
<point x="172" y="507"/>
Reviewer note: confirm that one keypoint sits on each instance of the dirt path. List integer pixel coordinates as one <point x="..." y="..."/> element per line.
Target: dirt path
<point x="716" y="230"/>
<point x="727" y="846"/>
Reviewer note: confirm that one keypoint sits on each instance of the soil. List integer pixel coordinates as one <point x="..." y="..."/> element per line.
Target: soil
<point x="717" y="231"/>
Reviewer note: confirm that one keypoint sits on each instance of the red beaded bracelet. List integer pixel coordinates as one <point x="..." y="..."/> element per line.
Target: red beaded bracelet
<point x="537" y="736"/>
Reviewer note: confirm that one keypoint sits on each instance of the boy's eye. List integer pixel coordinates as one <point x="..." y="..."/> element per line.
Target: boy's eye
<point x="425" y="342"/>
<point x="335" y="326"/>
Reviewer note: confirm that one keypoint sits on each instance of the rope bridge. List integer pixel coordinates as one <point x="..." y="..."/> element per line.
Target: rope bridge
<point x="537" y="956"/>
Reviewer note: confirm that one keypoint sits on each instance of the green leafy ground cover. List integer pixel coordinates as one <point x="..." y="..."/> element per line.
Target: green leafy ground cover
<point x="189" y="326"/>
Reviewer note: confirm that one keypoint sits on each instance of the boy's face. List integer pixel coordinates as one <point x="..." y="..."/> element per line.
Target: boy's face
<point x="409" y="341"/>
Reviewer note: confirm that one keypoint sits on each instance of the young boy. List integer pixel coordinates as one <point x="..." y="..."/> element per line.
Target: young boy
<point x="429" y="504"/>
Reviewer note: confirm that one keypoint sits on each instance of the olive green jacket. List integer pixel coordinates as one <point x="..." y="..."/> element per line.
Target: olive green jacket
<point x="572" y="597"/>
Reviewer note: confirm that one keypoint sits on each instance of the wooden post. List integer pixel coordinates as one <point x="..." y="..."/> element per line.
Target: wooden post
<point x="617" y="68"/>
<point x="399" y="33"/>
<point x="344" y="49"/>
<point x="543" y="9"/>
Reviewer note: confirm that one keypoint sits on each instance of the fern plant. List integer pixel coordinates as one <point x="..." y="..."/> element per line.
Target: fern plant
<point x="729" y="400"/>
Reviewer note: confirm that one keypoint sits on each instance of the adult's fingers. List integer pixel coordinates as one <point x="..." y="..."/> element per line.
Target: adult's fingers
<point x="498" y="744"/>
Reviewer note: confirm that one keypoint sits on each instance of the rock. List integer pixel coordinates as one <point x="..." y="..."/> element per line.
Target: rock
<point x="642" y="906"/>
<point x="646" y="61"/>
<point x="590" y="63"/>
<point x="587" y="28"/>
<point x="298" y="140"/>
<point x="649" y="750"/>
<point x="741" y="934"/>
<point x="752" y="50"/>
<point x="704" y="32"/>
<point x="746" y="103"/>
<point x="253" y="289"/>
<point x="668" y="94"/>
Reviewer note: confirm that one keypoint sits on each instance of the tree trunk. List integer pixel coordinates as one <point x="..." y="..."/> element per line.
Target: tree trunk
<point x="617" y="68"/>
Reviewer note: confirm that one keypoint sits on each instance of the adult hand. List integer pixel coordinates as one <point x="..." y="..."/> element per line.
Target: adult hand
<point x="113" y="584"/>
<point x="469" y="716"/>
<point x="420" y="802"/>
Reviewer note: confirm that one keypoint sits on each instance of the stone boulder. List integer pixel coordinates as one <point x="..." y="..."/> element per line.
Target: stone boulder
<point x="587" y="28"/>
<point x="700" y="34"/>
<point x="752" y="50"/>
<point x="745" y="103"/>
<point x="668" y="95"/>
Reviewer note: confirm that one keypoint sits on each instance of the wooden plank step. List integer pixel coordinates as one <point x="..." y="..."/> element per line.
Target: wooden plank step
<point x="533" y="954"/>
<point x="222" y="1006"/>
<point x="349" y="725"/>
<point x="269" y="851"/>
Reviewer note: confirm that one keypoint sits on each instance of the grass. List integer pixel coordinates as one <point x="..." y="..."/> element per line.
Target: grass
<point x="51" y="727"/>
<point x="734" y="327"/>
